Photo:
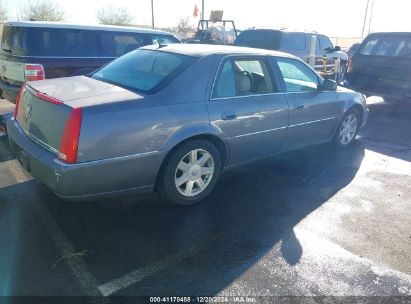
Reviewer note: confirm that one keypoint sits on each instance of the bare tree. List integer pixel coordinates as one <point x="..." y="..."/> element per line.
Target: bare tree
<point x="114" y="15"/>
<point x="41" y="10"/>
<point x="3" y="12"/>
<point x="183" y="27"/>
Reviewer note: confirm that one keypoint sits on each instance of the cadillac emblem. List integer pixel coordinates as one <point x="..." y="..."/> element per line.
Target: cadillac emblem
<point x="29" y="110"/>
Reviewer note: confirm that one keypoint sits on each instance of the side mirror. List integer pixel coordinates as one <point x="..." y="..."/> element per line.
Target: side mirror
<point x="328" y="85"/>
<point x="329" y="50"/>
<point x="337" y="49"/>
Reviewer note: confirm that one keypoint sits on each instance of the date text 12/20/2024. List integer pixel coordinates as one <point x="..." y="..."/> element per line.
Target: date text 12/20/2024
<point x="236" y="299"/>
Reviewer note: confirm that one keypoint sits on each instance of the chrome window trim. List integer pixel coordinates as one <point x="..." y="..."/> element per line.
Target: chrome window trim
<point x="261" y="56"/>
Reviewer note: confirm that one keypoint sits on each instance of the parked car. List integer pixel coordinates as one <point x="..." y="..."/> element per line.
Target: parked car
<point x="382" y="66"/>
<point x="41" y="50"/>
<point x="297" y="43"/>
<point x="171" y="118"/>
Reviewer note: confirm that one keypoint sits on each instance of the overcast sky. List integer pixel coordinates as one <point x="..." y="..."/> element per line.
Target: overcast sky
<point x="343" y="18"/>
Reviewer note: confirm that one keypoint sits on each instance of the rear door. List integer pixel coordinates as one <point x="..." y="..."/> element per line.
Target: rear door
<point x="313" y="113"/>
<point x="248" y="109"/>
<point x="383" y="64"/>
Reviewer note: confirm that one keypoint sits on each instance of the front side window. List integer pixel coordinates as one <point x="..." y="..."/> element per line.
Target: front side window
<point x="293" y="41"/>
<point x="297" y="76"/>
<point x="243" y="77"/>
<point x="144" y="71"/>
<point x="117" y="44"/>
<point x="325" y="43"/>
<point x="163" y="39"/>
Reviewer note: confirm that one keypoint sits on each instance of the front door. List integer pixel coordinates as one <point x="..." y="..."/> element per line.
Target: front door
<point x="248" y="109"/>
<point x="313" y="113"/>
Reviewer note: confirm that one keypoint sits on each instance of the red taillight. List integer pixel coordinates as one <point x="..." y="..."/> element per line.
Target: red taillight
<point x="33" y="72"/>
<point x="349" y="67"/>
<point x="71" y="135"/>
<point x="16" y="109"/>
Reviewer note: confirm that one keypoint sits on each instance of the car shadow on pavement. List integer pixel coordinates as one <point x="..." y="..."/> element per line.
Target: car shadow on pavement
<point x="388" y="129"/>
<point x="252" y="209"/>
<point x="5" y="154"/>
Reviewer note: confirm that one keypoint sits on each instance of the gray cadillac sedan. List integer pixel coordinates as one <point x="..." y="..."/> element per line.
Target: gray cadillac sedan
<point x="171" y="118"/>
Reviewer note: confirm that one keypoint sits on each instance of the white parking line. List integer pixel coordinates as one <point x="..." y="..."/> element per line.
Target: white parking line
<point x="138" y="275"/>
<point x="78" y="268"/>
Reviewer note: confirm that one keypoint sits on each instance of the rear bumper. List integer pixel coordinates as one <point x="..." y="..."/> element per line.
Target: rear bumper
<point x="370" y="87"/>
<point x="88" y="180"/>
<point x="9" y="92"/>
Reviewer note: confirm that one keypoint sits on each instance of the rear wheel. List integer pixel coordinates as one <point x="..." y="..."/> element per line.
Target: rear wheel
<point x="190" y="173"/>
<point x="348" y="128"/>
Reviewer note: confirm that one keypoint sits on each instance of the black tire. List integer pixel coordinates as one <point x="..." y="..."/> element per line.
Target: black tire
<point x="337" y="141"/>
<point x="166" y="182"/>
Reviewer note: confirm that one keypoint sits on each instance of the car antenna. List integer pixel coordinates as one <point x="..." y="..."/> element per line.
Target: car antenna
<point x="159" y="44"/>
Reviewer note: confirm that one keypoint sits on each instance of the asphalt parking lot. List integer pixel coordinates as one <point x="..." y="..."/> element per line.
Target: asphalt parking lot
<point x="313" y="222"/>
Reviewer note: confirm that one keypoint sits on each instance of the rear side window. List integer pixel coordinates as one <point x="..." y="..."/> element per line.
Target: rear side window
<point x="293" y="41"/>
<point x="144" y="71"/>
<point x="393" y="46"/>
<point x="264" y="39"/>
<point x="56" y="42"/>
<point x="243" y="77"/>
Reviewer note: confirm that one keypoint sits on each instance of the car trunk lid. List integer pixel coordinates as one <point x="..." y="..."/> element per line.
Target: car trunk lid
<point x="45" y="107"/>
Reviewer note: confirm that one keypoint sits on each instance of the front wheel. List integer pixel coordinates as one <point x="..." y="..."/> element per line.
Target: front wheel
<point x="348" y="128"/>
<point x="190" y="173"/>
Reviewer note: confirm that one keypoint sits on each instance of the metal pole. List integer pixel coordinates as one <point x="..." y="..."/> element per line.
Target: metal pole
<point x="202" y="9"/>
<point x="152" y="13"/>
<point x="365" y="18"/>
<point x="369" y="24"/>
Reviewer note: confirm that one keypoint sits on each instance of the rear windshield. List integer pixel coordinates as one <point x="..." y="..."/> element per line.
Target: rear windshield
<point x="388" y="46"/>
<point x="263" y="39"/>
<point x="144" y="71"/>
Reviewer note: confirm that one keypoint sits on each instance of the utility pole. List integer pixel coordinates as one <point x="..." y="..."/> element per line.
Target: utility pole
<point x="152" y="13"/>
<point x="369" y="24"/>
<point x="365" y="18"/>
<point x="202" y="10"/>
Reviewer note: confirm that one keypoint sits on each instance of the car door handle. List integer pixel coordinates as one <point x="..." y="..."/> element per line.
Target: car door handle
<point x="299" y="107"/>
<point x="228" y="115"/>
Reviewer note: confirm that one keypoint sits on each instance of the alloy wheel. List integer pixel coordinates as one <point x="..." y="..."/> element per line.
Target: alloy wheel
<point x="194" y="172"/>
<point x="348" y="129"/>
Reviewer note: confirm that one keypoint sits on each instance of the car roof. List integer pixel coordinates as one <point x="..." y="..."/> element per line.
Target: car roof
<point x="204" y="50"/>
<point x="281" y="29"/>
<point x="100" y="27"/>
<point x="390" y="34"/>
